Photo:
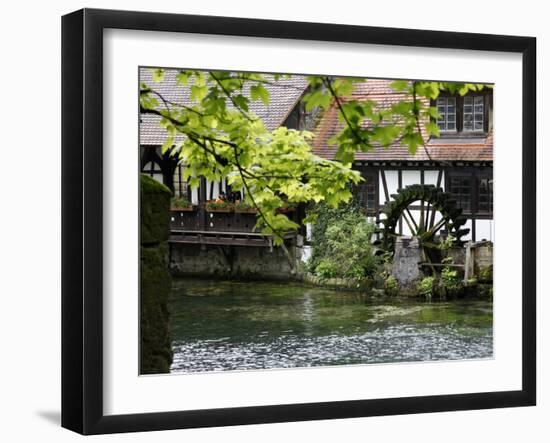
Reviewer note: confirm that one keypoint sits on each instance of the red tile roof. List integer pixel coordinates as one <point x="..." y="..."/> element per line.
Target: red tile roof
<point x="438" y="149"/>
<point x="287" y="93"/>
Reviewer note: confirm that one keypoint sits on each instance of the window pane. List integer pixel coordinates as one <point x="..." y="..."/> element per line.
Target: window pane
<point x="461" y="189"/>
<point x="485" y="193"/>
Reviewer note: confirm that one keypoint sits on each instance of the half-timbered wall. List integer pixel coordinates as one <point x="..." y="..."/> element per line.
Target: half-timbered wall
<point x="390" y="178"/>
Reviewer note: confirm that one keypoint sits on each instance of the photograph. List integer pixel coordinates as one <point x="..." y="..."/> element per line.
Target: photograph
<point x="292" y="220"/>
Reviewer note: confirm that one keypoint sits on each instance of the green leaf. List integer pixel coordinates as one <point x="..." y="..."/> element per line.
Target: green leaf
<point x="158" y="75"/>
<point x="343" y="87"/>
<point x="198" y="92"/>
<point x="241" y="101"/>
<point x="182" y="78"/>
<point x="412" y="141"/>
<point x="399" y="85"/>
<point x="432" y="112"/>
<point x="258" y="92"/>
<point x="317" y="99"/>
<point x="168" y="143"/>
<point x="432" y="129"/>
<point x="385" y="135"/>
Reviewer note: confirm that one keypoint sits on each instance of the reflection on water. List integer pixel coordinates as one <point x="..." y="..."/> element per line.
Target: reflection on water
<point x="228" y="325"/>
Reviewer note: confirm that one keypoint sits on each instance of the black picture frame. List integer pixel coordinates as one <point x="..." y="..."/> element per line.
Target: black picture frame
<point x="82" y="218"/>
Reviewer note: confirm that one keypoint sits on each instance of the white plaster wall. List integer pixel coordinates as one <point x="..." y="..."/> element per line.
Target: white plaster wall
<point x="195" y="195"/>
<point x="484" y="230"/>
<point x="410" y="178"/>
<point x="468" y="225"/>
<point x="392" y="182"/>
<point x="430" y="178"/>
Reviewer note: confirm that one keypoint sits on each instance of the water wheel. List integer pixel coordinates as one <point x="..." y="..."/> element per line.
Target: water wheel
<point x="435" y="210"/>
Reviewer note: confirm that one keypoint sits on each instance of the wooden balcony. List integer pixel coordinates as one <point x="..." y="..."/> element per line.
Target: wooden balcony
<point x="230" y="227"/>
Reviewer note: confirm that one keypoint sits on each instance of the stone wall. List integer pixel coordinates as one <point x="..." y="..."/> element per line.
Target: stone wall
<point x="235" y="261"/>
<point x="155" y="279"/>
<point x="406" y="258"/>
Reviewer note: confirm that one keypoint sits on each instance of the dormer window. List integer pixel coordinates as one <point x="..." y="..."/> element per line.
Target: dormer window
<point x="474" y="111"/>
<point x="463" y="116"/>
<point x="446" y="107"/>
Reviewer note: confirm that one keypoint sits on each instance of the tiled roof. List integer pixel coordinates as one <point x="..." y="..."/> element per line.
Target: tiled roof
<point x="285" y="94"/>
<point x="438" y="149"/>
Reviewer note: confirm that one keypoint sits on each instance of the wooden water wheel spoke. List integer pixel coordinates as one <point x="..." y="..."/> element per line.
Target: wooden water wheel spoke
<point x="415" y="230"/>
<point x="432" y="201"/>
<point x="432" y="218"/>
<point x="427" y="220"/>
<point x="437" y="227"/>
<point x="421" y="221"/>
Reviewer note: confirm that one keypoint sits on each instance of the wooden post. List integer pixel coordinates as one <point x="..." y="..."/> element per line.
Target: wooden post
<point x="469" y="262"/>
<point x="203" y="222"/>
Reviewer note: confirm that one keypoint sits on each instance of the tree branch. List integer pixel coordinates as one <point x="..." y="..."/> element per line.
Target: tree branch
<point x="228" y="94"/>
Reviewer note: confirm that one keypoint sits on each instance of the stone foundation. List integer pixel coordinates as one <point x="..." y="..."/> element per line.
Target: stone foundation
<point x="405" y="267"/>
<point x="235" y="261"/>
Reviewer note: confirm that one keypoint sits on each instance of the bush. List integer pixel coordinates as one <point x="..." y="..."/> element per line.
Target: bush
<point x="451" y="281"/>
<point x="342" y="244"/>
<point x="325" y="269"/>
<point x="426" y="286"/>
<point x="391" y="287"/>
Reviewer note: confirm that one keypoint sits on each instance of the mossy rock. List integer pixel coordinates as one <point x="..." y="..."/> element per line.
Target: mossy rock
<point x="155" y="280"/>
<point x="154" y="211"/>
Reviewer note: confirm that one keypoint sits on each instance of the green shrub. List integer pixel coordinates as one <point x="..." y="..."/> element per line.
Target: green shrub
<point x="342" y="244"/>
<point x="325" y="269"/>
<point x="391" y="286"/>
<point x="450" y="280"/>
<point x="426" y="286"/>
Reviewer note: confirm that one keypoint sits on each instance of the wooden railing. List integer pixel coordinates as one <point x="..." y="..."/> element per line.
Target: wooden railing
<point x="200" y="226"/>
<point x="200" y="219"/>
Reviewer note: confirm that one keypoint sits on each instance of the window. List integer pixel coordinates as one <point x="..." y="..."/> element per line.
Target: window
<point x="473" y="113"/>
<point x="468" y="115"/>
<point x="368" y="192"/>
<point x="446" y="107"/>
<point x="461" y="188"/>
<point x="153" y="170"/>
<point x="485" y="194"/>
<point x="472" y="189"/>
<point x="180" y="185"/>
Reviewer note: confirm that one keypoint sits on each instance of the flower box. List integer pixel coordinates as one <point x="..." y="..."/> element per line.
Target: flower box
<point x="219" y="207"/>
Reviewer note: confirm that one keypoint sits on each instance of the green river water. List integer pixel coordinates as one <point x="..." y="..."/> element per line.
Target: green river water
<point x="231" y="325"/>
